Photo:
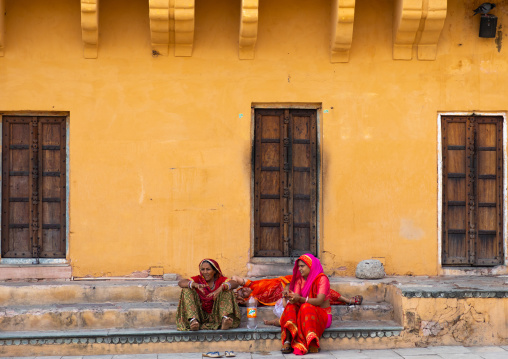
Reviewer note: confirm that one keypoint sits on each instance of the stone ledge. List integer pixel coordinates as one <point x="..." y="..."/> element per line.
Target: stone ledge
<point x="119" y="336"/>
<point x="454" y="294"/>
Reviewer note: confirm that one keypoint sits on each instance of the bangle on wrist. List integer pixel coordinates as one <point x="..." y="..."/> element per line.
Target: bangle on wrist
<point x="307" y="299"/>
<point x="190" y="284"/>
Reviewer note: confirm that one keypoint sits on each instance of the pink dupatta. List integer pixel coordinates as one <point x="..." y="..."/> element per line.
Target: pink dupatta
<point x="315" y="270"/>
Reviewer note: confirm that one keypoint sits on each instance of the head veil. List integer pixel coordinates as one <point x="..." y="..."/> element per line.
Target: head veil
<point x="207" y="302"/>
<point x="316" y="269"/>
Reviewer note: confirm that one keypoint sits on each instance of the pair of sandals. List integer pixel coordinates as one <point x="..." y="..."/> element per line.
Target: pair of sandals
<point x="227" y="354"/>
<point x="227" y="322"/>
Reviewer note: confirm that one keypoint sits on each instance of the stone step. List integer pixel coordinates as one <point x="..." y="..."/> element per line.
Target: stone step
<point x="69" y="292"/>
<point x="366" y="311"/>
<point x="347" y="334"/>
<point x="87" y="316"/>
<point x="142" y="314"/>
<point x="372" y="290"/>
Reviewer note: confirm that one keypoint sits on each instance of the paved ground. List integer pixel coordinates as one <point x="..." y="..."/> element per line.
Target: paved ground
<point x="443" y="352"/>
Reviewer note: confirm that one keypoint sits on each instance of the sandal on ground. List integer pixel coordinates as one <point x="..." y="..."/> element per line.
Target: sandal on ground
<point x="194" y="324"/>
<point x="229" y="354"/>
<point x="357" y="300"/>
<point x="227" y="322"/>
<point x="286" y="348"/>
<point x="212" y="355"/>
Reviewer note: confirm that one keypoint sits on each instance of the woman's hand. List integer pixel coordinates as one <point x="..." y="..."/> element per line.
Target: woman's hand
<point x="292" y="297"/>
<point x="215" y="293"/>
<point x="187" y="283"/>
<point x="285" y="292"/>
<point x="241" y="300"/>
<point x="198" y="286"/>
<point x="239" y="296"/>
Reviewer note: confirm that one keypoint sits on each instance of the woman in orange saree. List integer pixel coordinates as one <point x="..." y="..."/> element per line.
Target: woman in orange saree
<point x="268" y="291"/>
<point x="308" y="311"/>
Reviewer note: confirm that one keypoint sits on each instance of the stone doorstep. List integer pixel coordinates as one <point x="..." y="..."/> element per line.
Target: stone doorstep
<point x="41" y="271"/>
<point x="143" y="314"/>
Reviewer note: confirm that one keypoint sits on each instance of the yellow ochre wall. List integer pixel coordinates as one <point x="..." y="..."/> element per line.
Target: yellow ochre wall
<point x="161" y="147"/>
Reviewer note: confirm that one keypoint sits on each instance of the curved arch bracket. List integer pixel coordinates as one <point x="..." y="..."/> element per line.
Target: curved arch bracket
<point x="407" y="16"/>
<point x="2" y="27"/>
<point x="434" y="16"/>
<point x="184" y="27"/>
<point x="420" y="23"/>
<point x="159" y="13"/>
<point x="248" y="29"/>
<point x="343" y="16"/>
<point x="90" y="27"/>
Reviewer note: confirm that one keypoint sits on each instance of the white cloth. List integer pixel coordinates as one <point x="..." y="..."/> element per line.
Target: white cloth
<point x="278" y="308"/>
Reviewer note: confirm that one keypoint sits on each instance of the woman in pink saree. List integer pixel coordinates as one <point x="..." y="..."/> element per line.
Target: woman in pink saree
<point x="308" y="312"/>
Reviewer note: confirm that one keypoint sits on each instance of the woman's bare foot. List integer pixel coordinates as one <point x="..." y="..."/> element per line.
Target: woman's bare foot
<point x="227" y="322"/>
<point x="286" y="347"/>
<point x="356" y="300"/>
<point x="275" y="322"/>
<point x="194" y="325"/>
<point x="314" y="349"/>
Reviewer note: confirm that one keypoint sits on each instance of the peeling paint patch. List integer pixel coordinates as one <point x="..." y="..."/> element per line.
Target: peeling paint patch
<point x="462" y="67"/>
<point x="408" y="230"/>
<point x="499" y="38"/>
<point x="430" y="328"/>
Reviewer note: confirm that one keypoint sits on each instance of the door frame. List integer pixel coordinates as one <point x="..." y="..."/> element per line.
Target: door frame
<point x="25" y="261"/>
<point x="319" y="203"/>
<point x="448" y="270"/>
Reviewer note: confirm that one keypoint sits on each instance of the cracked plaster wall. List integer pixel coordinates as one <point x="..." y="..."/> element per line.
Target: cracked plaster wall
<point x="452" y="321"/>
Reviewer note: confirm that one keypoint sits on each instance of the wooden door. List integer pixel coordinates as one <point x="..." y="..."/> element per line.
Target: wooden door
<point x="33" y="187"/>
<point x="472" y="190"/>
<point x="285" y="182"/>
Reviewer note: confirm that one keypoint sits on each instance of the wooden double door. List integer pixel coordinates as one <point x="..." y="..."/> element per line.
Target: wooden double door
<point x="33" y="187"/>
<point x="472" y="217"/>
<point x="285" y="182"/>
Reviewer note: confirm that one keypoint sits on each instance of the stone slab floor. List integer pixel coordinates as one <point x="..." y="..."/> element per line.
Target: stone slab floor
<point x="442" y="352"/>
